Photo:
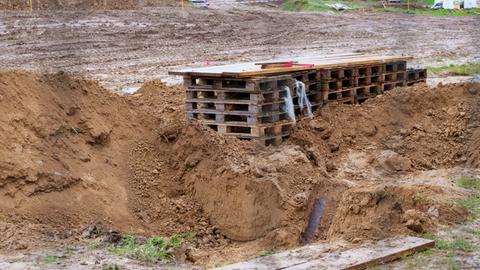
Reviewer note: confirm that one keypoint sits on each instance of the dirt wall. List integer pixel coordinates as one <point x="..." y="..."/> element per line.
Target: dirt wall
<point x="83" y="4"/>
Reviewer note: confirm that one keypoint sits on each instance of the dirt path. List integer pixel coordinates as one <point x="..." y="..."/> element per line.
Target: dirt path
<point x="122" y="48"/>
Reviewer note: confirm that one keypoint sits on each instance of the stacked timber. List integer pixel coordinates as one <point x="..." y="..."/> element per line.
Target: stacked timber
<point x="245" y="108"/>
<point x="262" y="101"/>
<point x="416" y="76"/>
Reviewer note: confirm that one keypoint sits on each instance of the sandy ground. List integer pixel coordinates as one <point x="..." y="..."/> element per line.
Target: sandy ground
<point x="124" y="48"/>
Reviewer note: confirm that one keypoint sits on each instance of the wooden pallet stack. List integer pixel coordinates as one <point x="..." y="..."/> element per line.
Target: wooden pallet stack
<point x="368" y="82"/>
<point x="357" y="83"/>
<point x="416" y="76"/>
<point x="313" y="88"/>
<point x="245" y="108"/>
<point x="251" y="102"/>
<point x="394" y="75"/>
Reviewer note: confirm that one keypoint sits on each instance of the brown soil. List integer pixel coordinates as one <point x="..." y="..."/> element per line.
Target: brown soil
<point x="74" y="154"/>
<point x="128" y="47"/>
<point x="83" y="4"/>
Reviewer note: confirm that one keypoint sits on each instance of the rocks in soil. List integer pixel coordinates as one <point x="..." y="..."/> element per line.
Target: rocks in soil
<point x="416" y="220"/>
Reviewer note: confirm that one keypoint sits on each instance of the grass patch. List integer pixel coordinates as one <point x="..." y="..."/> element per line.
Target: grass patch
<point x="52" y="259"/>
<point x="457" y="70"/>
<point x="452" y="263"/>
<point x="152" y="249"/>
<point x="314" y="5"/>
<point x="448" y="245"/>
<point x="473" y="205"/>
<point x="265" y="253"/>
<point x="469" y="182"/>
<point x="438" y="12"/>
<point x="92" y="246"/>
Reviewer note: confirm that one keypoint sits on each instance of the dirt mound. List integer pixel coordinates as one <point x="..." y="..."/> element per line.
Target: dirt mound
<point x="427" y="128"/>
<point x="64" y="141"/>
<point x="75" y="154"/>
<point x="382" y="211"/>
<point x="84" y="4"/>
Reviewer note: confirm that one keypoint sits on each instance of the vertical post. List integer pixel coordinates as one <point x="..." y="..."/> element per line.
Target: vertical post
<point x="182" y="4"/>
<point x="30" y="3"/>
<point x="408" y="4"/>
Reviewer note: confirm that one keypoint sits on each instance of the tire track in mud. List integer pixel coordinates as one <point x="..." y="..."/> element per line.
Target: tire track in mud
<point x="104" y="44"/>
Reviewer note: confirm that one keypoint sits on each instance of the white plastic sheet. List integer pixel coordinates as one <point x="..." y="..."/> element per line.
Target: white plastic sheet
<point x="289" y="104"/>
<point x="303" y="101"/>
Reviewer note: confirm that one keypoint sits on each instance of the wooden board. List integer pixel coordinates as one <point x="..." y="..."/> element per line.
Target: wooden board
<point x="319" y="257"/>
<point x="253" y="69"/>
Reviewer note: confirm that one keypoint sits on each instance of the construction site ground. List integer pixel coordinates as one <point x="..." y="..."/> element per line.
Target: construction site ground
<point x="127" y="47"/>
<point x="80" y="164"/>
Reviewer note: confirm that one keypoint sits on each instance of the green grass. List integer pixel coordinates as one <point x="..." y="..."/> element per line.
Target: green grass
<point x="447" y="249"/>
<point x="451" y="263"/>
<point x="265" y="253"/>
<point x="92" y="246"/>
<point x="457" y="70"/>
<point x="469" y="182"/>
<point x="49" y="259"/>
<point x="448" y="245"/>
<point x="314" y="5"/>
<point x="152" y="249"/>
<point x="321" y="5"/>
<point x="472" y="204"/>
<point x="54" y="258"/>
<point x="438" y="12"/>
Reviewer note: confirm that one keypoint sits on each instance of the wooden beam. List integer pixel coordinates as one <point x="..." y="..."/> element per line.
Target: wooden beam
<point x="320" y="256"/>
<point x="252" y="69"/>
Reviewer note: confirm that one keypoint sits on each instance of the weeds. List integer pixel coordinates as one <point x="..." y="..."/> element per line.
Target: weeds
<point x="472" y="204"/>
<point x="92" y="246"/>
<point x="452" y="263"/>
<point x="314" y="5"/>
<point x="152" y="249"/>
<point x="469" y="182"/>
<point x="438" y="12"/>
<point x="450" y="245"/>
<point x="52" y="259"/>
<point x="457" y="70"/>
<point x="265" y="253"/>
<point x="322" y="5"/>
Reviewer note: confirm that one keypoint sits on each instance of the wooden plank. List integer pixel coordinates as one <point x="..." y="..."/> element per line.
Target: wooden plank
<point x="319" y="257"/>
<point x="363" y="257"/>
<point x="251" y="69"/>
<point x="282" y="260"/>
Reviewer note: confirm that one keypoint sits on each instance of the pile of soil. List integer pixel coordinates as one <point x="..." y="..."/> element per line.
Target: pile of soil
<point x="83" y="4"/>
<point x="74" y="154"/>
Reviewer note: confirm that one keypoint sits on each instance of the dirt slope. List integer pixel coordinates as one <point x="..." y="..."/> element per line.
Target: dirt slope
<point x="83" y="4"/>
<point x="75" y="154"/>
